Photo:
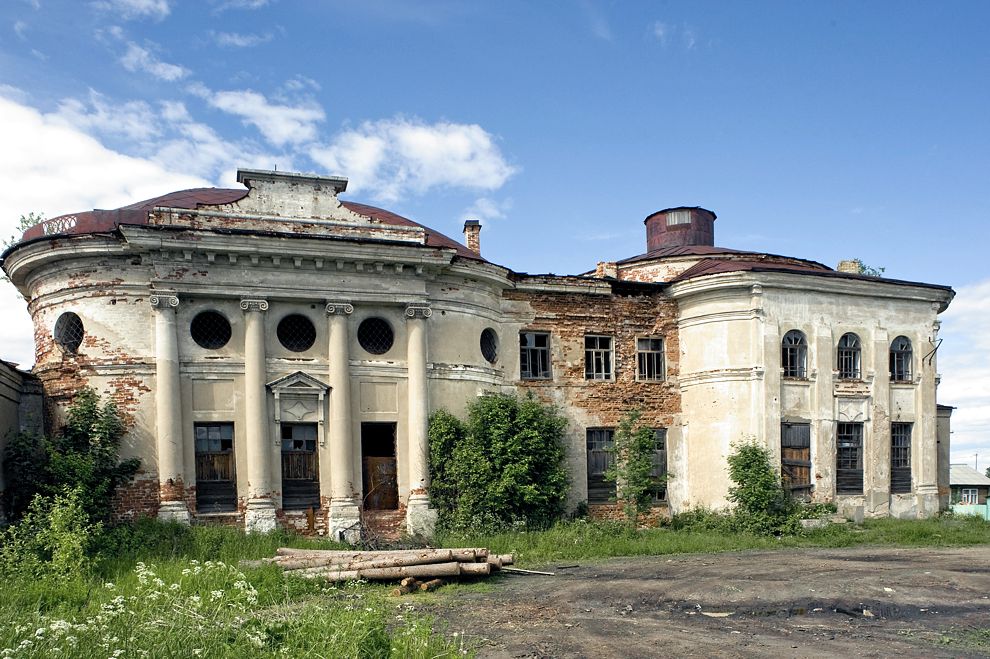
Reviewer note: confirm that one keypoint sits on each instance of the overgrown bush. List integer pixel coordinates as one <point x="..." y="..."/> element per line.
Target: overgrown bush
<point x="634" y="446"/>
<point x="762" y="505"/>
<point x="502" y="467"/>
<point x="83" y="455"/>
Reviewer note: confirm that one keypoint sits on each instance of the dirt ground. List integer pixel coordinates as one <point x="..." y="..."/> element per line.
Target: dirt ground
<point x="877" y="602"/>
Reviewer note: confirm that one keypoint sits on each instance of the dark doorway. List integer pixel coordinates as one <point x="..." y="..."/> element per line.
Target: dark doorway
<point x="379" y="467"/>
<point x="216" y="482"/>
<point x="300" y="467"/>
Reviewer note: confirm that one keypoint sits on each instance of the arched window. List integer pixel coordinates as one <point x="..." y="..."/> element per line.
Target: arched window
<point x="794" y="355"/>
<point x="849" y="354"/>
<point x="900" y="359"/>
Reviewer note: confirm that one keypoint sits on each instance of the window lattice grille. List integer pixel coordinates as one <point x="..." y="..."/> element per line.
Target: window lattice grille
<point x="598" y="358"/>
<point x="794" y="355"/>
<point x="296" y="333"/>
<point x="69" y="332"/>
<point x="649" y="359"/>
<point x="376" y="336"/>
<point x="849" y="357"/>
<point x="900" y="359"/>
<point x="210" y="330"/>
<point x="534" y="355"/>
<point x="489" y="345"/>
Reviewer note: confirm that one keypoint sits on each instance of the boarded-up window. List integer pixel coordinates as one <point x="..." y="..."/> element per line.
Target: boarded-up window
<point x="300" y="467"/>
<point x="849" y="458"/>
<point x="795" y="458"/>
<point x="900" y="457"/>
<point x="659" y="464"/>
<point x="216" y="482"/>
<point x="601" y="456"/>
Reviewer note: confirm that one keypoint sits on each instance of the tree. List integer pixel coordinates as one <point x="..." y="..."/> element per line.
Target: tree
<point x="632" y="470"/>
<point x="24" y="223"/>
<point x="869" y="270"/>
<point x="762" y="504"/>
<point x="503" y="466"/>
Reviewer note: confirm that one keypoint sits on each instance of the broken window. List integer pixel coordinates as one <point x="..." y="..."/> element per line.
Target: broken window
<point x="900" y="359"/>
<point x="489" y="345"/>
<point x="375" y="335"/>
<point x="649" y="360"/>
<point x="598" y="358"/>
<point x="216" y="481"/>
<point x="794" y="354"/>
<point x="849" y="357"/>
<point x="601" y="456"/>
<point x="300" y="466"/>
<point x="69" y="332"/>
<point x="659" y="471"/>
<point x="296" y="333"/>
<point x="849" y="458"/>
<point x="795" y="458"/>
<point x="900" y="457"/>
<point x="210" y="330"/>
<point x="534" y="355"/>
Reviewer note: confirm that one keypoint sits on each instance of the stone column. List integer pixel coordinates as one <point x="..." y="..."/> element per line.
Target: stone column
<point x="168" y="411"/>
<point x="420" y="518"/>
<point x="344" y="519"/>
<point x="260" y="513"/>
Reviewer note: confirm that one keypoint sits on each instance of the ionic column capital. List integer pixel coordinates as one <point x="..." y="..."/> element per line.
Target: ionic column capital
<point x="419" y="311"/>
<point x="254" y="304"/>
<point x="340" y="308"/>
<point x="164" y="300"/>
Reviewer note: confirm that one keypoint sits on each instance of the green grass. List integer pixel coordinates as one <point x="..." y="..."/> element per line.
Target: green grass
<point x="582" y="540"/>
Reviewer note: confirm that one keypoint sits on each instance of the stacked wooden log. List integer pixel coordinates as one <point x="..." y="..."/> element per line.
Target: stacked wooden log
<point x="392" y="565"/>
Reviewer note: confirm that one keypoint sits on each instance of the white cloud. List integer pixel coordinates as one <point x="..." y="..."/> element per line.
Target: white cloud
<point x="280" y="124"/>
<point x="238" y="40"/>
<point x="128" y="9"/>
<point x="966" y="371"/>
<point x="59" y="170"/>
<point x="242" y="4"/>
<point x="597" y="21"/>
<point x="20" y="29"/>
<point x="393" y="157"/>
<point x="666" y="33"/>
<point x="486" y="209"/>
<point x="141" y="59"/>
<point x="134" y="120"/>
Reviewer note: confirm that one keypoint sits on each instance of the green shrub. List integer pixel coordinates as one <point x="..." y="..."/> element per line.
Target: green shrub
<point x="635" y="445"/>
<point x="503" y="467"/>
<point x="762" y="505"/>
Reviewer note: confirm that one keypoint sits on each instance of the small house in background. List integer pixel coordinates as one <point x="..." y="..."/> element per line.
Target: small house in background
<point x="969" y="487"/>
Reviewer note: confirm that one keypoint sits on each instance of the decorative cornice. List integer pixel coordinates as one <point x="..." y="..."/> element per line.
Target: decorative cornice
<point x="418" y="311"/>
<point x="345" y="308"/>
<point x="164" y="300"/>
<point x="256" y="304"/>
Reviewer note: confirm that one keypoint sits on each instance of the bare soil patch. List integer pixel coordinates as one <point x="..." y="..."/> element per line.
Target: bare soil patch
<point x="875" y="602"/>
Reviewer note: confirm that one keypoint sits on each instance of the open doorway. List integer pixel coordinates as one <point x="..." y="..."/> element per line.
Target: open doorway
<point x="378" y="466"/>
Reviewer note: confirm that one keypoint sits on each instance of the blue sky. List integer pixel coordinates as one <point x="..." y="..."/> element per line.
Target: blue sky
<point x="822" y="130"/>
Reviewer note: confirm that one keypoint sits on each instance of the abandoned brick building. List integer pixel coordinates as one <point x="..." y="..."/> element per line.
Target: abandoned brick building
<point x="277" y="351"/>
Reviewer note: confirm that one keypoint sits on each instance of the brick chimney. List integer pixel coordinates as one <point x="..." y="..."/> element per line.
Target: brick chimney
<point x="472" y="235"/>
<point x="852" y="266"/>
<point x="677" y="227"/>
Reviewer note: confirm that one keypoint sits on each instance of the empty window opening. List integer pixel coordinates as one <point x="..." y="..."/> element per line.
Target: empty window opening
<point x="210" y="330"/>
<point x="795" y="459"/>
<point x="69" y="332"/>
<point x="534" y="355"/>
<point x="296" y="333"/>
<point x="900" y="359"/>
<point x="489" y="345"/>
<point x="649" y="360"/>
<point x="375" y="335"/>
<point x="849" y="458"/>
<point x="794" y="355"/>
<point x="379" y="466"/>
<point x="216" y="480"/>
<point x="601" y="456"/>
<point x="598" y="358"/>
<point x="300" y="466"/>
<point x="659" y="471"/>
<point x="849" y="357"/>
<point x="900" y="457"/>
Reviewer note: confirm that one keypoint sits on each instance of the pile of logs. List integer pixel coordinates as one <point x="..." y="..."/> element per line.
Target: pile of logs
<point x="393" y="565"/>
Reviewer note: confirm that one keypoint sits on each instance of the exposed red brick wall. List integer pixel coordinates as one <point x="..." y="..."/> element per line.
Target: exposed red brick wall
<point x="136" y="499"/>
<point x="613" y="512"/>
<point x="300" y="521"/>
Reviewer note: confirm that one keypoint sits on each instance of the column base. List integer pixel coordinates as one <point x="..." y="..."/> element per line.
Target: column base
<point x="259" y="516"/>
<point x="421" y="520"/>
<point x="344" y="521"/>
<point x="173" y="511"/>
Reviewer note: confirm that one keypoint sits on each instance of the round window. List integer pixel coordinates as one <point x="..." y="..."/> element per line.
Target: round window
<point x="489" y="345"/>
<point x="210" y="330"/>
<point x="69" y="332"/>
<point x="375" y="335"/>
<point x="296" y="333"/>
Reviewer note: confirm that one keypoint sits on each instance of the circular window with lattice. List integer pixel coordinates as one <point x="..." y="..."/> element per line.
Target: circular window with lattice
<point x="69" y="332"/>
<point x="375" y="335"/>
<point x="210" y="330"/>
<point x="296" y="333"/>
<point x="489" y="345"/>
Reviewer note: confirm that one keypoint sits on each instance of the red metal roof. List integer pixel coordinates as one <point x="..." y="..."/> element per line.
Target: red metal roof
<point x="98" y="221"/>
<point x="681" y="250"/>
